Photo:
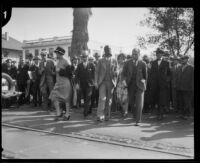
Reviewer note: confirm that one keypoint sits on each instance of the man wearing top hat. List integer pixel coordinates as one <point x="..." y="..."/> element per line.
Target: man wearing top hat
<point x="106" y="74"/>
<point x="185" y="87"/>
<point x="85" y="76"/>
<point x="37" y="98"/>
<point x="47" y="72"/>
<point x="161" y="83"/>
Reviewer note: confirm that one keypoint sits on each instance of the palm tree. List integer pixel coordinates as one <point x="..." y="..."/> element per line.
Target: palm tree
<point x="80" y="31"/>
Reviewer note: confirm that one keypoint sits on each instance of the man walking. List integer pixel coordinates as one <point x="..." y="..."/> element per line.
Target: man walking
<point x="85" y="76"/>
<point x="135" y="77"/>
<point x="105" y="79"/>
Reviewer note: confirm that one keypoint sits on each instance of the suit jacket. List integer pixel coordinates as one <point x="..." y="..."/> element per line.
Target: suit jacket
<point x="35" y="73"/>
<point x="100" y="71"/>
<point x="85" y="76"/>
<point x="185" y="79"/>
<point x="22" y="76"/>
<point x="141" y="73"/>
<point x="161" y="74"/>
<point x="47" y="72"/>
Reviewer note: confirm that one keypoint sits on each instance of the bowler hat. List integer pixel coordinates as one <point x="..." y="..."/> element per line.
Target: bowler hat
<point x="60" y="50"/>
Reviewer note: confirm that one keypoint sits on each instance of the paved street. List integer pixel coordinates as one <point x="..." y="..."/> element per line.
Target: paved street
<point x="172" y="135"/>
<point x="34" y="145"/>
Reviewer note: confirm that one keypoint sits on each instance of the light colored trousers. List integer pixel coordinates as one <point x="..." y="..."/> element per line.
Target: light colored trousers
<point x="105" y="99"/>
<point x="137" y="99"/>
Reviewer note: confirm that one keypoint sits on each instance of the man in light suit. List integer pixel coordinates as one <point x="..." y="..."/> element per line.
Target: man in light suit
<point x="105" y="79"/>
<point x="47" y="72"/>
<point x="134" y="74"/>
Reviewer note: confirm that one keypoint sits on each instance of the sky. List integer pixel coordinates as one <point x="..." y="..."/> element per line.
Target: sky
<point x="113" y="26"/>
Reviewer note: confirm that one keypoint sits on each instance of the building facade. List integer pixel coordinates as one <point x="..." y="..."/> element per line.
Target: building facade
<point x="49" y="44"/>
<point x="11" y="48"/>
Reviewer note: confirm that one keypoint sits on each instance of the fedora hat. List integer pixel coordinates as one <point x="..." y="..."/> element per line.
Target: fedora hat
<point x="60" y="50"/>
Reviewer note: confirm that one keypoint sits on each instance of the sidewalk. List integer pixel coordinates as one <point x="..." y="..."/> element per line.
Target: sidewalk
<point x="170" y="135"/>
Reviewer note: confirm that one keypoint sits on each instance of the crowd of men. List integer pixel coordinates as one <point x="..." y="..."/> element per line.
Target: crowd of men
<point x="160" y="85"/>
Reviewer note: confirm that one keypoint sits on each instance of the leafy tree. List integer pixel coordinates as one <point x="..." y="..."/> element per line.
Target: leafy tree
<point x="174" y="27"/>
<point x="80" y="31"/>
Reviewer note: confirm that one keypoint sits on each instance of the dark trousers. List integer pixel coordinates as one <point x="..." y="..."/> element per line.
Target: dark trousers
<point x="87" y="93"/>
<point x="95" y="97"/>
<point x="37" y="97"/>
<point x="184" y="101"/>
<point x="21" y="88"/>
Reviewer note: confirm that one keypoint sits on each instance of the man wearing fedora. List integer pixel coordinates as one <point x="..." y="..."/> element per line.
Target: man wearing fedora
<point x="37" y="98"/>
<point x="185" y="87"/>
<point x="47" y="72"/>
<point x="85" y="76"/>
<point x="161" y="83"/>
<point x="106" y="74"/>
<point x="134" y="76"/>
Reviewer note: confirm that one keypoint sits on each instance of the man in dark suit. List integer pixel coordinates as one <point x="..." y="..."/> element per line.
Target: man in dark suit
<point x="47" y="72"/>
<point x="135" y="76"/>
<point x="185" y="87"/>
<point x="161" y="83"/>
<point x="22" y="78"/>
<point x="37" y="98"/>
<point x="85" y="75"/>
<point x="13" y="70"/>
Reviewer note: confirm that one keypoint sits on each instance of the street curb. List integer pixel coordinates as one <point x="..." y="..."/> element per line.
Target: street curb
<point x="112" y="140"/>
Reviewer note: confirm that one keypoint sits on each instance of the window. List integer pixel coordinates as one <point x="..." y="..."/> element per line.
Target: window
<point x="36" y="52"/>
<point x="26" y="54"/>
<point x="51" y="50"/>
